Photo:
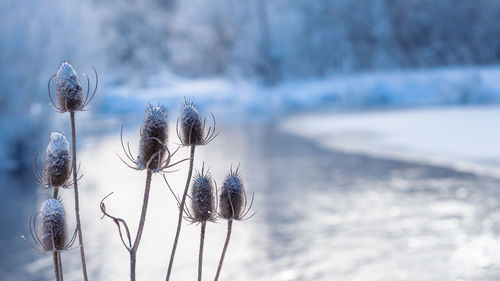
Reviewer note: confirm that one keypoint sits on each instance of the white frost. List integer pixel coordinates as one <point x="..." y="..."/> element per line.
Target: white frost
<point x="52" y="210"/>
<point x="58" y="144"/>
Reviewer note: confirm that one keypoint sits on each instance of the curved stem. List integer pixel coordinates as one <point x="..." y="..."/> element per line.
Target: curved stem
<point x="142" y="221"/>
<point x="228" y="236"/>
<point x="77" y="203"/>
<point x="200" y="257"/>
<point x="181" y="211"/>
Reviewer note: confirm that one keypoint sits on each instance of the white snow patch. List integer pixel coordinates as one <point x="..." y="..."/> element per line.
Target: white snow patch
<point x="442" y="86"/>
<point x="58" y="144"/>
<point x="462" y="137"/>
<point x="52" y="210"/>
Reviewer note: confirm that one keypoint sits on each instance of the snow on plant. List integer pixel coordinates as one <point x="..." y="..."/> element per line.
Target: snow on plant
<point x="154" y="157"/>
<point x="232" y="206"/>
<point x="59" y="164"/>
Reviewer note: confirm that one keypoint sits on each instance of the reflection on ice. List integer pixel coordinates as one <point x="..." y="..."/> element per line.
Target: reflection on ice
<point x="321" y="215"/>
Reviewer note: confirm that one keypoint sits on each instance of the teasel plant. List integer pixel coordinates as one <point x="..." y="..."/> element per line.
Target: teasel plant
<point x="154" y="157"/>
<point x="232" y="206"/>
<point x="191" y="132"/>
<point x="70" y="98"/>
<point x="53" y="234"/>
<point x="56" y="173"/>
<point x="57" y="166"/>
<point x="203" y="206"/>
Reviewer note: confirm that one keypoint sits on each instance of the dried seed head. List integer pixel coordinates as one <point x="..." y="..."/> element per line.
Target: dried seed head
<point x="154" y="134"/>
<point x="68" y="88"/>
<point x="53" y="226"/>
<point x="191" y="124"/>
<point x="202" y="194"/>
<point x="232" y="197"/>
<point x="57" y="165"/>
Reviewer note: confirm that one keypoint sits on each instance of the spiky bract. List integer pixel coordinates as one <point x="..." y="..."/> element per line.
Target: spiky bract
<point x="191" y="124"/>
<point x="202" y="195"/>
<point x="57" y="165"/>
<point x="154" y="134"/>
<point x="68" y="89"/>
<point x="53" y="226"/>
<point x="232" y="199"/>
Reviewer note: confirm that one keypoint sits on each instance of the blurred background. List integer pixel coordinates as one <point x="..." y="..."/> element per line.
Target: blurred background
<point x="364" y="129"/>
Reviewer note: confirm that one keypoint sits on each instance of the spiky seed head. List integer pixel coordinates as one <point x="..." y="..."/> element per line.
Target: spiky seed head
<point x="232" y="197"/>
<point x="191" y="124"/>
<point x="202" y="194"/>
<point x="68" y="88"/>
<point x="53" y="226"/>
<point x="154" y="135"/>
<point x="57" y="165"/>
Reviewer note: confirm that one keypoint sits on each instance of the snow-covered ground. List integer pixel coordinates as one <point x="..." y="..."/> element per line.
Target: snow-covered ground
<point x="465" y="138"/>
<point x="444" y="86"/>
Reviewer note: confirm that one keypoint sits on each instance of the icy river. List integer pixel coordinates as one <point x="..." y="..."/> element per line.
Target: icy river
<point x="321" y="214"/>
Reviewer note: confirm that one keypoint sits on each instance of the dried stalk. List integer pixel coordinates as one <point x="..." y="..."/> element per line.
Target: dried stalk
<point x="133" y="250"/>
<point x="181" y="211"/>
<point x="59" y="264"/>
<point x="200" y="257"/>
<point x="56" y="266"/>
<point x="77" y="202"/>
<point x="228" y="236"/>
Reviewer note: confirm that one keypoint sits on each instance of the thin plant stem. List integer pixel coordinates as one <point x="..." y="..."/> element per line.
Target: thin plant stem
<point x="56" y="255"/>
<point x="55" y="192"/>
<point x="228" y="236"/>
<point x="132" y="265"/>
<point x="142" y="221"/>
<point x="59" y="262"/>
<point x="56" y="265"/>
<point x="200" y="257"/>
<point x="77" y="203"/>
<point x="181" y="211"/>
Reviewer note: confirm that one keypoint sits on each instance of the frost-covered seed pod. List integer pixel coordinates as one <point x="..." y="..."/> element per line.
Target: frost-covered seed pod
<point x="202" y="191"/>
<point x="154" y="134"/>
<point x="68" y="88"/>
<point x="191" y="124"/>
<point x="53" y="225"/>
<point x="232" y="197"/>
<point x="57" y="165"/>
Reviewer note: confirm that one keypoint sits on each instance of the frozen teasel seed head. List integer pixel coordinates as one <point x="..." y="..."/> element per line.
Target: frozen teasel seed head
<point x="53" y="226"/>
<point x="191" y="124"/>
<point x="203" y="201"/>
<point x="232" y="199"/>
<point x="69" y="93"/>
<point x="154" y="136"/>
<point x="57" y="165"/>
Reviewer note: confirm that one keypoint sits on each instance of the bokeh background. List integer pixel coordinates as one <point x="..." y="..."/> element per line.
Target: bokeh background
<point x="367" y="130"/>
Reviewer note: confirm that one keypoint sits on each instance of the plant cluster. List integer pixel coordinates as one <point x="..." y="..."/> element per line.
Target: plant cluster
<point x="208" y="203"/>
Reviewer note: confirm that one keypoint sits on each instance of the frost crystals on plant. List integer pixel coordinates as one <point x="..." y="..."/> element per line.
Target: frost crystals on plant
<point x="52" y="228"/>
<point x="233" y="198"/>
<point x="192" y="128"/>
<point x="203" y="200"/>
<point x="69" y="93"/>
<point x="154" y="154"/>
<point x="57" y="166"/>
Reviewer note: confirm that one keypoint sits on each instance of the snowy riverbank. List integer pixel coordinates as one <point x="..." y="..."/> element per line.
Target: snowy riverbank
<point x="465" y="138"/>
<point x="435" y="87"/>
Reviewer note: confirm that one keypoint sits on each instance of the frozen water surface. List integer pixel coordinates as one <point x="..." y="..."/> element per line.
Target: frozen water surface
<point x="321" y="215"/>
